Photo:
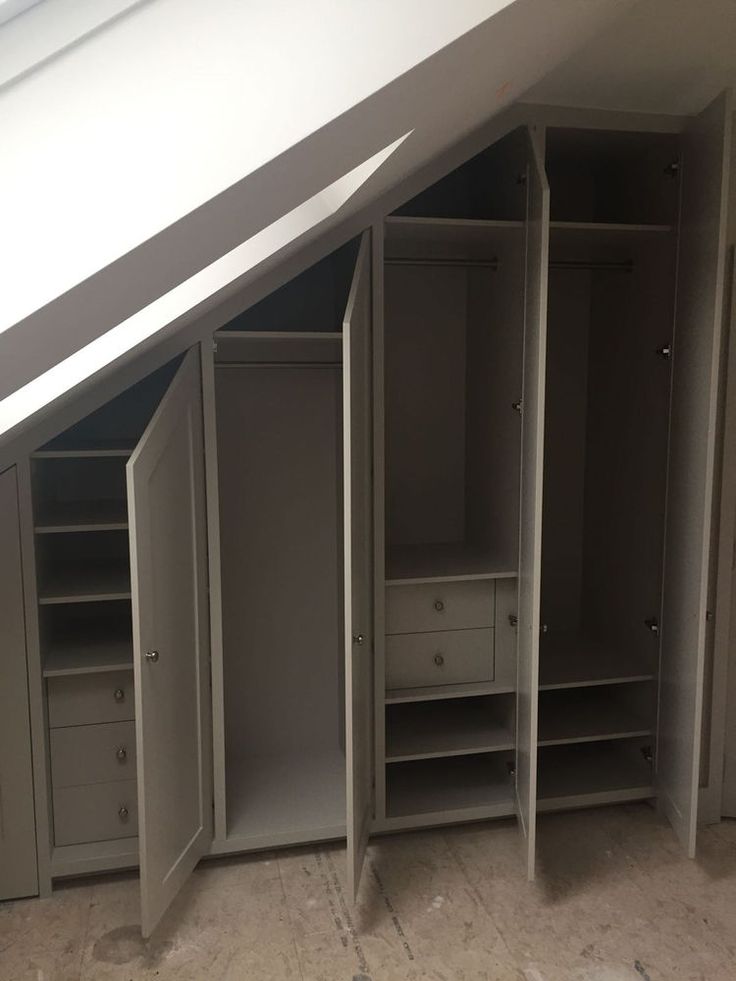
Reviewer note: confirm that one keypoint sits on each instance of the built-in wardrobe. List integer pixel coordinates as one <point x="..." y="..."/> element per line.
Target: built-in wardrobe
<point x="420" y="537"/>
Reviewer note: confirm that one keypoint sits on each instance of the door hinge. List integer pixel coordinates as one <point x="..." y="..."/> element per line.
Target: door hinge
<point x="521" y="178"/>
<point x="665" y="351"/>
<point x="709" y="616"/>
<point x="513" y="620"/>
<point x="517" y="406"/>
<point x="648" y="754"/>
<point x="652" y="624"/>
<point x="672" y="169"/>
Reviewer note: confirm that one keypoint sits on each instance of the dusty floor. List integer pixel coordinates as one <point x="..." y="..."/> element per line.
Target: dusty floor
<point x="614" y="900"/>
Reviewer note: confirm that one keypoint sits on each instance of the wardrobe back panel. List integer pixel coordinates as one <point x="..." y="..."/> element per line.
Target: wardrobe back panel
<point x="425" y="343"/>
<point x="493" y="379"/>
<point x="625" y="472"/>
<point x="279" y="446"/>
<point x="568" y="320"/>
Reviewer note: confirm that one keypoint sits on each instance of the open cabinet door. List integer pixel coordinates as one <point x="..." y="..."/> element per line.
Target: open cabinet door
<point x="532" y="475"/>
<point x="357" y="564"/>
<point x="696" y="350"/>
<point x="166" y="502"/>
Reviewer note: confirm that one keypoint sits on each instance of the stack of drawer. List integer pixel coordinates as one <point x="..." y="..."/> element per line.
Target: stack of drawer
<point x="93" y="757"/>
<point x="440" y="633"/>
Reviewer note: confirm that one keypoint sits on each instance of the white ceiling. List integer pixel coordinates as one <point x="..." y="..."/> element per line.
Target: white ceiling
<point x="670" y="56"/>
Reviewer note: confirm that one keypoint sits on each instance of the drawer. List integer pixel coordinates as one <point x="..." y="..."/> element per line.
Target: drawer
<point x="92" y="754"/>
<point x="83" y="699"/>
<point x="99" y="812"/>
<point x="443" y="657"/>
<point x="440" y="606"/>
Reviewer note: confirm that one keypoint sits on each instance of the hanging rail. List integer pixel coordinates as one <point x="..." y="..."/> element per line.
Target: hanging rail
<point x="625" y="266"/>
<point x="487" y="263"/>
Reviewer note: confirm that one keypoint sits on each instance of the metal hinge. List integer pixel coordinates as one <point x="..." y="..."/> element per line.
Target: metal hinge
<point x="517" y="406"/>
<point x="648" y="753"/>
<point x="673" y="169"/>
<point x="513" y="620"/>
<point x="521" y="178"/>
<point x="709" y="615"/>
<point x="511" y="767"/>
<point x="665" y="351"/>
<point x="652" y="624"/>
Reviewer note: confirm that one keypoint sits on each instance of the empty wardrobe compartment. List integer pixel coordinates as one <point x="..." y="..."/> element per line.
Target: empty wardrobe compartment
<point x="278" y="395"/>
<point x="609" y="335"/>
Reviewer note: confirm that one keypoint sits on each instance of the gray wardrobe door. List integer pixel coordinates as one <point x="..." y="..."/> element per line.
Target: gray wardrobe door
<point x="166" y="501"/>
<point x="532" y="459"/>
<point x="18" y="869"/>
<point x="696" y="348"/>
<point x="358" y="564"/>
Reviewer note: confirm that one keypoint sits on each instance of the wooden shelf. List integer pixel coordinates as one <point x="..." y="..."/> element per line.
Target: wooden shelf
<point x="278" y="335"/>
<point x="87" y="656"/>
<point x="398" y="696"/>
<point x="428" y="730"/>
<point x="84" y="450"/>
<point x="580" y="716"/>
<point x="464" y="783"/>
<point x="88" y="583"/>
<point x="410" y="564"/>
<point x="79" y="516"/>
<point x="571" y="661"/>
<point x="456" y="239"/>
<point x="98" y="856"/>
<point x="593" y="773"/>
<point x="597" y="228"/>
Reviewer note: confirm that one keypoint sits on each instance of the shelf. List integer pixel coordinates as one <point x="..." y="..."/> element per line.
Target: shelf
<point x="455" y="239"/>
<point x="597" y="228"/>
<point x="90" y="583"/>
<point x="427" y="730"/>
<point x="87" y="656"/>
<point x="411" y="564"/>
<point x="251" y="347"/>
<point x="398" y="696"/>
<point x="278" y="335"/>
<point x="580" y="716"/>
<point x="571" y="661"/>
<point x="79" y="516"/>
<point x="459" y="784"/>
<point x="84" y="450"/>
<point x="594" y="773"/>
<point x="287" y="799"/>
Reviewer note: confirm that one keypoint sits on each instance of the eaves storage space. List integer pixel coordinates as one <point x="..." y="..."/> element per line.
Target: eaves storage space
<point x="419" y="538"/>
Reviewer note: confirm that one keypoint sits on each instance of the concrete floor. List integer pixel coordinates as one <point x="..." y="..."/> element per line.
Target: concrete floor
<point x="614" y="900"/>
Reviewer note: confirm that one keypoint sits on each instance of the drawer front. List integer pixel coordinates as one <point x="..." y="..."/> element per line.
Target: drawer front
<point x="84" y="699"/>
<point x="445" y="657"/>
<point x="440" y="606"/>
<point x="98" y="812"/>
<point x="92" y="754"/>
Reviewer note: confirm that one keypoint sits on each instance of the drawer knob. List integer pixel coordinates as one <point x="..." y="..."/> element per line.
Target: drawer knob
<point x="123" y="813"/>
<point x="119" y="695"/>
<point x="439" y="660"/>
<point x="439" y="606"/>
<point x="152" y="656"/>
<point x="122" y="753"/>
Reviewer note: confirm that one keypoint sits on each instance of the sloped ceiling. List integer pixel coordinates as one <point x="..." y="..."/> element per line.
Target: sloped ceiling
<point x="661" y="56"/>
<point x="164" y="141"/>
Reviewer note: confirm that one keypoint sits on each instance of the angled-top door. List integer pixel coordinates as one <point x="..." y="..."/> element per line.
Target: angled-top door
<point x="358" y="564"/>
<point x="696" y="350"/>
<point x="166" y="501"/>
<point x="530" y="517"/>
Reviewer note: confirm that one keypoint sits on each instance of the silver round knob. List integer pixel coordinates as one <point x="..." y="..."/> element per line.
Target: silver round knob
<point x="121" y="753"/>
<point x="152" y="656"/>
<point x="439" y="606"/>
<point x="358" y="638"/>
<point x="123" y="813"/>
<point x="119" y="695"/>
<point x="439" y="660"/>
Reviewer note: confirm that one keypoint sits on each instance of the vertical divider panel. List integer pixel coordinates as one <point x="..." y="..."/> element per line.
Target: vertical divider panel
<point x="217" y="656"/>
<point x="379" y="523"/>
<point x="693" y="412"/>
<point x="532" y="475"/>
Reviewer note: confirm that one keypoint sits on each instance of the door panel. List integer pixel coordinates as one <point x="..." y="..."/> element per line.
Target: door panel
<point x="532" y="458"/>
<point x="696" y="349"/>
<point x="358" y="564"/>
<point x="18" y="867"/>
<point x="166" y="502"/>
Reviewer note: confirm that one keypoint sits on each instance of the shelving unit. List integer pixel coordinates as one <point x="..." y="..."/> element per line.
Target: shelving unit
<point x="580" y="716"/>
<point x="593" y="773"/>
<point x="425" y="730"/>
<point x="445" y="562"/>
<point x="400" y="696"/>
<point x="85" y="583"/>
<point x="463" y="788"/>
<point x="79" y="516"/>
<point x="569" y="660"/>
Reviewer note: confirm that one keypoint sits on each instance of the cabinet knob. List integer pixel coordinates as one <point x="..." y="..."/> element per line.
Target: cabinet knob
<point x="123" y="813"/>
<point x="358" y="639"/>
<point x="439" y="660"/>
<point x="439" y="606"/>
<point x="121" y="753"/>
<point x="119" y="695"/>
<point x="152" y="656"/>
